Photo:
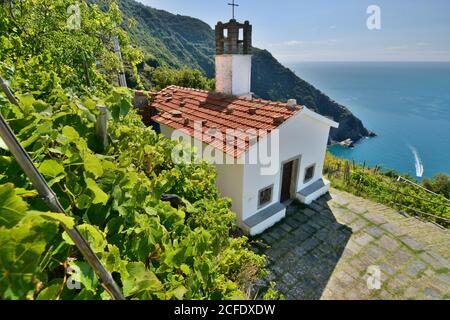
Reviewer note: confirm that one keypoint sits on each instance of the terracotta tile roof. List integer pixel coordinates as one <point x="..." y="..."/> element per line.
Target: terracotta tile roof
<point x="180" y="108"/>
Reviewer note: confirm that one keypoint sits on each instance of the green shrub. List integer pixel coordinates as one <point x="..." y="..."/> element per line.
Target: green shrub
<point x="439" y="184"/>
<point x="163" y="77"/>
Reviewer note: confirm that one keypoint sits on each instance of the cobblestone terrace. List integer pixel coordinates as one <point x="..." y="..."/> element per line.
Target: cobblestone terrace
<point x="324" y="252"/>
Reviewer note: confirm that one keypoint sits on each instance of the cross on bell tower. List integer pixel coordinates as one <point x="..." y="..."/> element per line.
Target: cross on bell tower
<point x="233" y="6"/>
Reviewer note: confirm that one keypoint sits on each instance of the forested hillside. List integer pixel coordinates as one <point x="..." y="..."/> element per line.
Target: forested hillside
<point x="176" y="41"/>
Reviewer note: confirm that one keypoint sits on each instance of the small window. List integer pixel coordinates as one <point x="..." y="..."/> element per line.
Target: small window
<point x="265" y="196"/>
<point x="309" y="173"/>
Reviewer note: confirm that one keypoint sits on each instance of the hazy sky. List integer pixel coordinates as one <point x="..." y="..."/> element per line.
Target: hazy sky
<point x="334" y="30"/>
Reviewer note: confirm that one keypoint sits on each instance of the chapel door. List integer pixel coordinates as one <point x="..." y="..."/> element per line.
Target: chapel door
<point x="286" y="183"/>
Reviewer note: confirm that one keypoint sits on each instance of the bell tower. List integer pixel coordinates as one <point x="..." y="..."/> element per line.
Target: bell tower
<point x="234" y="58"/>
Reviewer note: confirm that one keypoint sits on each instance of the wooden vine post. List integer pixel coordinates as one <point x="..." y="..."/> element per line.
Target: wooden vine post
<point x="101" y="127"/>
<point x="122" y="78"/>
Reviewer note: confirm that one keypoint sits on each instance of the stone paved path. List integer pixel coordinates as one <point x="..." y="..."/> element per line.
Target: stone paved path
<point x="332" y="248"/>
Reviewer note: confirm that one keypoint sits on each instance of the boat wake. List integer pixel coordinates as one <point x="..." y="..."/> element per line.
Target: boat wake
<point x="418" y="161"/>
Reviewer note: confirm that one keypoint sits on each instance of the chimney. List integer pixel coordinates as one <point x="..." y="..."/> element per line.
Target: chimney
<point x="234" y="58"/>
<point x="292" y="104"/>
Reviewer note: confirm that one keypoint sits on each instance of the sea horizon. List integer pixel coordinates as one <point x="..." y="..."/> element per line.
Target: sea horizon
<point x="406" y="103"/>
<point x="289" y="63"/>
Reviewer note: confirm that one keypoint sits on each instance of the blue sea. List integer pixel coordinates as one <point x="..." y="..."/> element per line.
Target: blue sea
<point x="406" y="104"/>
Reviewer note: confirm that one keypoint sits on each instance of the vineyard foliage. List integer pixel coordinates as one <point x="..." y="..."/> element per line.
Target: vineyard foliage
<point x="112" y="195"/>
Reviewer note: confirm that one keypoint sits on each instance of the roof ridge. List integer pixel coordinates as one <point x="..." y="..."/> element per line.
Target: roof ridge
<point x="241" y="98"/>
<point x="186" y="88"/>
<point x="261" y="108"/>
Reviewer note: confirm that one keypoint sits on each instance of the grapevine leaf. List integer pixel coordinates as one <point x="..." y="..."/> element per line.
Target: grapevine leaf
<point x="93" y="236"/>
<point x="71" y="134"/>
<point x="32" y="139"/>
<point x="83" y="202"/>
<point x="185" y="269"/>
<point x="67" y="239"/>
<point x="86" y="113"/>
<point x="24" y="193"/>
<point x="42" y="107"/>
<point x="93" y="165"/>
<point x="55" y="180"/>
<point x="105" y="295"/>
<point x="138" y="279"/>
<point x="121" y="105"/>
<point x="21" y="249"/>
<point x="99" y="195"/>
<point x="51" y="292"/>
<point x="51" y="168"/>
<point x="26" y="101"/>
<point x="111" y="259"/>
<point x="88" y="295"/>
<point x="179" y="292"/>
<point x="176" y="257"/>
<point x="81" y="106"/>
<point x="56" y="151"/>
<point x="56" y="217"/>
<point x="12" y="207"/>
